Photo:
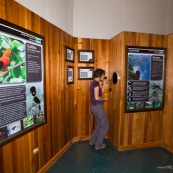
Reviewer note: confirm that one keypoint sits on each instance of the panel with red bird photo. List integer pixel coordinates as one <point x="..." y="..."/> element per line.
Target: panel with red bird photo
<point x="12" y="60"/>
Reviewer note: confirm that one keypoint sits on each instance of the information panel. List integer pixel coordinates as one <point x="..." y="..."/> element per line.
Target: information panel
<point x="21" y="81"/>
<point x="145" y="79"/>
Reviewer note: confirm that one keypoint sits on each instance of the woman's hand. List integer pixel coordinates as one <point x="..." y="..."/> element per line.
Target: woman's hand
<point x="105" y="81"/>
<point x="104" y="99"/>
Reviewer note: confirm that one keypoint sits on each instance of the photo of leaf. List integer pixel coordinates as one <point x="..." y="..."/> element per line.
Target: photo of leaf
<point x="28" y="121"/>
<point x="12" y="60"/>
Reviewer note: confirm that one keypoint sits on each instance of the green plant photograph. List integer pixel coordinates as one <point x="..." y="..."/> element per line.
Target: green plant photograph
<point x="12" y="60"/>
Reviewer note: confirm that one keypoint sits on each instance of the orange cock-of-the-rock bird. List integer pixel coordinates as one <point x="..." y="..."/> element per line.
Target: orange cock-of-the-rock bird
<point x="5" y="60"/>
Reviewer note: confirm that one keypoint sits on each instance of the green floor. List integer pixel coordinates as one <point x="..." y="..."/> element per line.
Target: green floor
<point x="82" y="158"/>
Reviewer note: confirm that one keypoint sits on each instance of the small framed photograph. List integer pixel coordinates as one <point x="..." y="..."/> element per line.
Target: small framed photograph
<point x="69" y="54"/>
<point x="85" y="73"/>
<point x="86" y="56"/>
<point x="70" y="74"/>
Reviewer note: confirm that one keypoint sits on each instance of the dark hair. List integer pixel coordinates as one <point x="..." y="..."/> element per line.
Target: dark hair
<point x="98" y="72"/>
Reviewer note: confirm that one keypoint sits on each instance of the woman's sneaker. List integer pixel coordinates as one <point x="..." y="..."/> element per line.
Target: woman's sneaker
<point x="91" y="143"/>
<point x="102" y="146"/>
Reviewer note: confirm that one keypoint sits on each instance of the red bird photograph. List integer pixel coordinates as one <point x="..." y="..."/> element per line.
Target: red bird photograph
<point x="5" y="60"/>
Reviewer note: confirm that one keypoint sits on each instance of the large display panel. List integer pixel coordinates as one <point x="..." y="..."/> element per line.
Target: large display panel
<point x="145" y="78"/>
<point x="22" y="105"/>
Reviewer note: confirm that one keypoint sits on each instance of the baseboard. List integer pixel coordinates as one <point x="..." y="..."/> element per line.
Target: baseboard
<point x="144" y="145"/>
<point x="168" y="147"/>
<point x="80" y="138"/>
<point x="61" y="152"/>
<point x="54" y="159"/>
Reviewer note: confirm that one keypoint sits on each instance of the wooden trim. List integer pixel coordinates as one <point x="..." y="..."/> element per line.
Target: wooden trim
<point x="144" y="145"/>
<point x="168" y="147"/>
<point x="57" y="156"/>
<point x="80" y="138"/>
<point x="61" y="152"/>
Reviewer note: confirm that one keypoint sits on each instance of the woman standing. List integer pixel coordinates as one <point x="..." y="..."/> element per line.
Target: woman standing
<point x="97" y="109"/>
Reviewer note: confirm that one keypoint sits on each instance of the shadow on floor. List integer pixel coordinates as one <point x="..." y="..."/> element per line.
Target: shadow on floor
<point x="83" y="158"/>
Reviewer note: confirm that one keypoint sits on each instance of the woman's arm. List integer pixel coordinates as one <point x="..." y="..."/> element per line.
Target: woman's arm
<point x="105" y="81"/>
<point x="96" y="94"/>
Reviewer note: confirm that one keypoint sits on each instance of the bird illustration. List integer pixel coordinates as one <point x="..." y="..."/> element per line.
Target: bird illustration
<point x="36" y="99"/>
<point x="5" y="60"/>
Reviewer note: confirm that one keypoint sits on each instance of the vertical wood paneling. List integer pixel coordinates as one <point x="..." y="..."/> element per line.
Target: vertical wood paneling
<point x="134" y="129"/>
<point x="115" y="100"/>
<point x="17" y="156"/>
<point x="168" y="111"/>
<point x="68" y="106"/>
<point x="101" y="56"/>
<point x="8" y="165"/>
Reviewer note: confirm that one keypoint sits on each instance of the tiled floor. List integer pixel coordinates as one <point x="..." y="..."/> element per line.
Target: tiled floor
<point x="83" y="158"/>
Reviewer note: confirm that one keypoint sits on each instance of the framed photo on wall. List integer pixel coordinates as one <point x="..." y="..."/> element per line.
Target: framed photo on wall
<point x="86" y="56"/>
<point x="85" y="73"/>
<point x="70" y="74"/>
<point x="69" y="54"/>
<point x="145" y="78"/>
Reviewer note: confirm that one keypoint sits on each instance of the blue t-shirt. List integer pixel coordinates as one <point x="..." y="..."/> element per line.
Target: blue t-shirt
<point x="94" y="84"/>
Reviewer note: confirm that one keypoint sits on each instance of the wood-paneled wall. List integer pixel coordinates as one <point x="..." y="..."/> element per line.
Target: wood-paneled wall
<point x="85" y="121"/>
<point x="168" y="111"/>
<point x="131" y="130"/>
<point x="17" y="156"/>
<point x="68" y="106"/>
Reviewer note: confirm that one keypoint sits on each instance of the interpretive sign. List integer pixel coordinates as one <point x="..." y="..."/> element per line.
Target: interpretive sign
<point x="145" y="78"/>
<point x="22" y="105"/>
